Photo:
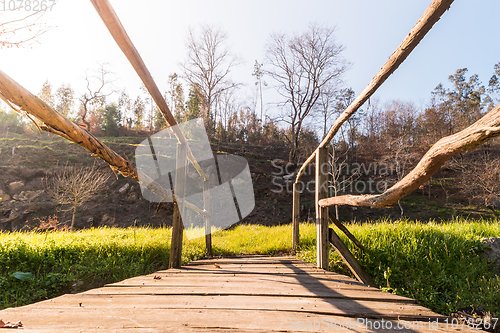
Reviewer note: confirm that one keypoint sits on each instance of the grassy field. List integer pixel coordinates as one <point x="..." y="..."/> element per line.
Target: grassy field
<point x="439" y="264"/>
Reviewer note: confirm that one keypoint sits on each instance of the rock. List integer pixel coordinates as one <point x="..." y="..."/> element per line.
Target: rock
<point x="4" y="197"/>
<point x="492" y="202"/>
<point x="26" y="196"/>
<point x="124" y="188"/>
<point x="106" y="219"/>
<point x="92" y="222"/>
<point x="492" y="250"/>
<point x="15" y="185"/>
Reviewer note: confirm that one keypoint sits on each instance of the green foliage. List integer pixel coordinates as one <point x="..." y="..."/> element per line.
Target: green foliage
<point x="138" y="108"/>
<point x="10" y="121"/>
<point x="112" y="120"/>
<point x="160" y="122"/>
<point x="64" y="99"/>
<point x="45" y="94"/>
<point x="64" y="262"/>
<point x="193" y="104"/>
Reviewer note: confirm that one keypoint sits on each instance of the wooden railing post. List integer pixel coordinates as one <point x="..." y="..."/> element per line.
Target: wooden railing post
<point x="179" y="206"/>
<point x="321" y="192"/>
<point x="295" y="217"/>
<point x="206" y="217"/>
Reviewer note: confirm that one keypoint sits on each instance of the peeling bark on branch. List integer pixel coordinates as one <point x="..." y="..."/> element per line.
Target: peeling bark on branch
<point x="475" y="135"/>
<point x="22" y="100"/>
<point x="53" y="122"/>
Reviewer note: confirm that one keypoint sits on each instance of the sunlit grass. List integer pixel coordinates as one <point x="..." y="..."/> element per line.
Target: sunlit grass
<point x="439" y="264"/>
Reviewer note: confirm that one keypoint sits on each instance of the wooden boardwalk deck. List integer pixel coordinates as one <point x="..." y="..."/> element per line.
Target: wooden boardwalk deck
<point x="251" y="294"/>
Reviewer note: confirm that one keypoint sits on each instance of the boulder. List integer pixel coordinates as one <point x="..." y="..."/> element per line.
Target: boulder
<point x="108" y="220"/>
<point x="124" y="188"/>
<point x="492" y="250"/>
<point x="4" y="197"/>
<point x="26" y="196"/>
<point x="15" y="185"/>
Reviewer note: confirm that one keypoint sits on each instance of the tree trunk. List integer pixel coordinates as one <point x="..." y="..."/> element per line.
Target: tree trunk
<point x="73" y="219"/>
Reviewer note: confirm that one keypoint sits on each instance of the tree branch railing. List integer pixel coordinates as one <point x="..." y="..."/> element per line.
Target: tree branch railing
<point x="431" y="15"/>
<point x="112" y="22"/>
<point x="486" y="128"/>
<point x="24" y="102"/>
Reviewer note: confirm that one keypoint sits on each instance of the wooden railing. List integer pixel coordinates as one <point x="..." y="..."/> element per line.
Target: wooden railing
<point x="324" y="235"/>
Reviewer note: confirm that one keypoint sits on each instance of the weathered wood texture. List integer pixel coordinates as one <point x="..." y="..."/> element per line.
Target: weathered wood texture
<point x="295" y="217"/>
<point x="346" y="231"/>
<point x="350" y="260"/>
<point x="431" y="15"/>
<point x="252" y="294"/>
<point x="24" y="102"/>
<point x="115" y="27"/>
<point x="179" y="206"/>
<point x="321" y="192"/>
<point x="206" y="217"/>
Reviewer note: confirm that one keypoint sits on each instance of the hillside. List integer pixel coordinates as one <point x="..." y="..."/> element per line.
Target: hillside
<point x="26" y="161"/>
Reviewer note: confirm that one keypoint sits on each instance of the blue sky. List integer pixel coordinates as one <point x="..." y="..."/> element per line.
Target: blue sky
<point x="466" y="36"/>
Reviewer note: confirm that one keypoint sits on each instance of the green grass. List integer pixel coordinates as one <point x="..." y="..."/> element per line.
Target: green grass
<point x="439" y="264"/>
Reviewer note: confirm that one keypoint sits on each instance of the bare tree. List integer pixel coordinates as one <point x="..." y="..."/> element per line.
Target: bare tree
<point x="402" y="157"/>
<point x="208" y="65"/>
<point x="19" y="29"/>
<point x="97" y="90"/>
<point x="303" y="66"/>
<point x="338" y="163"/>
<point x="479" y="176"/>
<point x="75" y="186"/>
<point x="259" y="73"/>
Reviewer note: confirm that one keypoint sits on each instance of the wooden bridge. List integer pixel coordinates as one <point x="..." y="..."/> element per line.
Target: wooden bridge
<point x="246" y="294"/>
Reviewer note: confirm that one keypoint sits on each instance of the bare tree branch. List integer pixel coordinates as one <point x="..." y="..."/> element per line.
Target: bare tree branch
<point x="75" y="186"/>
<point x="19" y="27"/>
<point x="302" y="67"/>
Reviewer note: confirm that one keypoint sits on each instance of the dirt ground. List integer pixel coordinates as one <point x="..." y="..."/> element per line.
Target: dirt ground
<point x="30" y="161"/>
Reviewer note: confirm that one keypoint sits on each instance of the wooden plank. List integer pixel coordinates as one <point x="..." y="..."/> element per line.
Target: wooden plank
<point x="295" y="217"/>
<point x="321" y="192"/>
<point x="176" y="239"/>
<point x="339" y="281"/>
<point x="206" y="217"/>
<point x="78" y="319"/>
<point x="314" y="291"/>
<point x="342" y="227"/>
<point x="234" y="302"/>
<point x="350" y="260"/>
<point x="342" y="307"/>
<point x="246" y="260"/>
<point x="115" y="27"/>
